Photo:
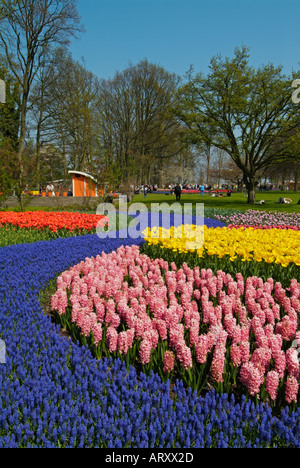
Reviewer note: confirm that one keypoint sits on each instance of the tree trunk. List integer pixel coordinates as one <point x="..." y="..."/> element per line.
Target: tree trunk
<point x="296" y="175"/>
<point x="249" y="181"/>
<point x="208" y="165"/>
<point x="23" y="115"/>
<point x="38" y="149"/>
<point x="22" y="134"/>
<point x="64" y="158"/>
<point x="251" y="192"/>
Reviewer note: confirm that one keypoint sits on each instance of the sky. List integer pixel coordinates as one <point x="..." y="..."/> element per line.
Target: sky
<point x="176" y="34"/>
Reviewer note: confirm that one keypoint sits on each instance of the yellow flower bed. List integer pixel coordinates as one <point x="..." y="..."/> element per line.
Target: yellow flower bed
<point x="272" y="245"/>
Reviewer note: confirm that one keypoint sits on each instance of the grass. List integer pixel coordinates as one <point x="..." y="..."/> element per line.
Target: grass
<point x="237" y="201"/>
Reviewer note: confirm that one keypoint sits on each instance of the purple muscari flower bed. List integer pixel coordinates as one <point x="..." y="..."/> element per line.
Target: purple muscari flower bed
<point x="55" y="394"/>
<point x="152" y="219"/>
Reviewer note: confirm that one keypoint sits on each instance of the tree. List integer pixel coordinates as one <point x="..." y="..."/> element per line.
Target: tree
<point x="7" y="181"/>
<point x="179" y="169"/>
<point x="63" y="112"/>
<point x="28" y="29"/>
<point x="9" y="112"/>
<point x="14" y="179"/>
<point x="292" y="152"/>
<point x="38" y="117"/>
<point x="137" y="119"/>
<point x="219" y="163"/>
<point x="243" y="110"/>
<point x="233" y="175"/>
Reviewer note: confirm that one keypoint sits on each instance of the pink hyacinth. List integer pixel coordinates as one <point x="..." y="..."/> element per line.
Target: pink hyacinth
<point x="182" y="309"/>
<point x="113" y="320"/>
<point x="275" y="344"/>
<point x="183" y="354"/>
<point x="194" y="334"/>
<point x="161" y="327"/>
<point x="145" y="352"/>
<point x="245" y="351"/>
<point x="276" y="311"/>
<point x="235" y="355"/>
<point x="261" y="358"/>
<point x="296" y="303"/>
<point x="272" y="384"/>
<point x="286" y="328"/>
<point x="169" y="362"/>
<point x="100" y="310"/>
<point x="201" y="349"/>
<point x="292" y="362"/>
<point x="122" y="343"/>
<point x="61" y="301"/>
<point x="112" y="339"/>
<point x="130" y="337"/>
<point x="152" y="336"/>
<point x="292" y="389"/>
<point x="217" y="366"/>
<point x="280" y="363"/>
<point x="84" y="300"/>
<point x="54" y="301"/>
<point x="252" y="378"/>
<point x="97" y="332"/>
<point x="197" y="294"/>
<point x="86" y="325"/>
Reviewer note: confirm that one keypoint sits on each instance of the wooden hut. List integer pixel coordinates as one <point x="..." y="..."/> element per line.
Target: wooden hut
<point x="84" y="185"/>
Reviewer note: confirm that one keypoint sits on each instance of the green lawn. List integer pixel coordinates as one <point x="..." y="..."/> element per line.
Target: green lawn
<point x="237" y="201"/>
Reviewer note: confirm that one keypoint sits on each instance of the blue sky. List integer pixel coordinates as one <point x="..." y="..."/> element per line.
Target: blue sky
<point x="178" y="33"/>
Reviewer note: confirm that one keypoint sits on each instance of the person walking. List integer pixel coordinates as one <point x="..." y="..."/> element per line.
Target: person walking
<point x="178" y="192"/>
<point x="202" y="188"/>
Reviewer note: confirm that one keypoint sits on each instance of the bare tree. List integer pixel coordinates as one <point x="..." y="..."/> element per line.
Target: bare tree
<point x="28" y="29"/>
<point x="138" y="122"/>
<point x="70" y="114"/>
<point x="233" y="175"/>
<point x="220" y="161"/>
<point x="180" y="169"/>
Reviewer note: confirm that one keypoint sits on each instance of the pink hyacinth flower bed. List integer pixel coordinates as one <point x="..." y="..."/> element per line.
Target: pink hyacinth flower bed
<point x="211" y="330"/>
<point x="261" y="219"/>
<point x="280" y="226"/>
<point x="262" y="226"/>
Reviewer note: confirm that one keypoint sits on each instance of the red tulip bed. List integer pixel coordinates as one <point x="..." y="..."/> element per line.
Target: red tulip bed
<point x="33" y="226"/>
<point x="55" y="222"/>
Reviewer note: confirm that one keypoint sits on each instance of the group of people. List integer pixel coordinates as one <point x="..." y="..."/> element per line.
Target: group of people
<point x="145" y="189"/>
<point x="176" y="189"/>
<point x="189" y="187"/>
